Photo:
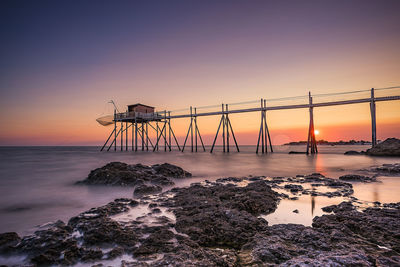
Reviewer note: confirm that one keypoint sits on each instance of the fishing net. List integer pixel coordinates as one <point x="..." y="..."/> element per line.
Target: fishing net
<point x="106" y="120"/>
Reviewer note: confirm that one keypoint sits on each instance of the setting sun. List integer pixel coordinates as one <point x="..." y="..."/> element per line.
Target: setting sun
<point x="316" y="132"/>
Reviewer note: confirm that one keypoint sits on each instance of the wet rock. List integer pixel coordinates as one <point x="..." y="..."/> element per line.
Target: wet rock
<point x="122" y="174"/>
<point x="223" y="215"/>
<point x="357" y="178"/>
<point x="157" y="241"/>
<point x="8" y="240"/>
<point x="346" y="238"/>
<point x="170" y="170"/>
<point x="147" y="189"/>
<point x="352" y="152"/>
<point x="294" y="188"/>
<point x="344" y="206"/>
<point x="389" y="147"/>
<point x="388" y="169"/>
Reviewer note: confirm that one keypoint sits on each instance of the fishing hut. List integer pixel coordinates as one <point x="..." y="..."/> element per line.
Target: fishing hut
<point x="135" y="124"/>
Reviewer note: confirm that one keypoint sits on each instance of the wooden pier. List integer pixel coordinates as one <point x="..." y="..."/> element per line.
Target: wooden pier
<point x="140" y="122"/>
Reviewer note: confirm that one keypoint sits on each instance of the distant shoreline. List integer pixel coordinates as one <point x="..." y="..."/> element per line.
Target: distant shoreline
<point x="324" y="142"/>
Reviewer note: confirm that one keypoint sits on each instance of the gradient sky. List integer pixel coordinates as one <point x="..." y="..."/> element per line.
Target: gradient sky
<point x="62" y="61"/>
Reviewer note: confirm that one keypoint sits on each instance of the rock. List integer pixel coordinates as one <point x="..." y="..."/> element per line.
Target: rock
<point x="122" y="174"/>
<point x="223" y="215"/>
<point x="294" y="188"/>
<point x="170" y="170"/>
<point x="344" y="206"/>
<point x="357" y="178"/>
<point x="8" y="240"/>
<point x="389" y="147"/>
<point x="388" y="169"/>
<point x="147" y="189"/>
<point x="353" y="152"/>
<point x="346" y="238"/>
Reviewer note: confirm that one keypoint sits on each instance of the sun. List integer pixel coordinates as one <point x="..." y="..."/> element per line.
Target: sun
<point x="316" y="132"/>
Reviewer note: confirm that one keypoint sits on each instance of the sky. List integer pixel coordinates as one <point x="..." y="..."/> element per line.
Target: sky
<point x="62" y="61"/>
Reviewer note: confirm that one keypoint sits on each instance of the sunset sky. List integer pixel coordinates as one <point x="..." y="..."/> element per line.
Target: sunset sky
<point x="62" y="61"/>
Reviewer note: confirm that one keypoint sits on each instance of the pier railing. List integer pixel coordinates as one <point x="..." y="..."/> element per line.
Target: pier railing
<point x="139" y="122"/>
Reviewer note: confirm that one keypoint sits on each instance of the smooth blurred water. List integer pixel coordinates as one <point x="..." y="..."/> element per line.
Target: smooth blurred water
<point x="37" y="183"/>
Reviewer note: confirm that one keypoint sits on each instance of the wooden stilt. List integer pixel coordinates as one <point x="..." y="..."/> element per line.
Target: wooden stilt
<point x="126" y="136"/>
<point x="147" y="137"/>
<point x="187" y="135"/>
<point x="136" y="134"/>
<point x="133" y="134"/>
<point x="157" y="134"/>
<point x="115" y="130"/>
<point x="195" y="127"/>
<point x="311" y="142"/>
<point x="165" y="131"/>
<point x="107" y="139"/>
<point x="169" y="130"/>
<point x="201" y="140"/>
<point x="159" y="137"/>
<point x="114" y="141"/>
<point x="223" y="128"/>
<point x="227" y="128"/>
<point x="261" y="132"/>
<point x="373" y="117"/>
<point x="122" y="136"/>
<point x="216" y="135"/>
<point x="266" y="128"/>
<point x="233" y="135"/>
<point x="191" y="128"/>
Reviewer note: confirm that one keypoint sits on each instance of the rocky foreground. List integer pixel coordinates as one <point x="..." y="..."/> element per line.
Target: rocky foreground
<point x="219" y="224"/>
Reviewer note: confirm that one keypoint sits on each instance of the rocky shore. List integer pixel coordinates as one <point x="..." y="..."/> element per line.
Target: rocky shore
<point x="219" y="223"/>
<point x="389" y="148"/>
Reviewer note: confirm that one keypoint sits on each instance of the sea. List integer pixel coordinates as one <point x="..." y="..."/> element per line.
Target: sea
<point x="37" y="184"/>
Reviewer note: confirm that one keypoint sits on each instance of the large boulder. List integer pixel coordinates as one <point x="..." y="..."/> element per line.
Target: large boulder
<point x="122" y="174"/>
<point x="389" y="147"/>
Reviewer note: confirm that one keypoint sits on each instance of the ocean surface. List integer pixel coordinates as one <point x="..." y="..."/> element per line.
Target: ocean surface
<point x="37" y="184"/>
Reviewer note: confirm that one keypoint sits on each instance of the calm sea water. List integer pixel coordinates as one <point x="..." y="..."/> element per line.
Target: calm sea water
<point x="37" y="183"/>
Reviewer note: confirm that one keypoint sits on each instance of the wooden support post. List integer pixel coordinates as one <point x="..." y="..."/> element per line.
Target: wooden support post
<point x="233" y="135"/>
<point x="126" y="136"/>
<point x="165" y="131"/>
<point x="142" y="136"/>
<point x="159" y="137"/>
<point x="373" y="117"/>
<point x="157" y="134"/>
<point x="311" y="142"/>
<point x="133" y="134"/>
<point x="176" y="141"/>
<point x="107" y="140"/>
<point x="201" y="140"/>
<point x="195" y="127"/>
<point x="262" y="129"/>
<point x="187" y="135"/>
<point x="216" y="135"/>
<point x="227" y="128"/>
<point x="147" y="137"/>
<point x="266" y="127"/>
<point x="260" y="133"/>
<point x="115" y="130"/>
<point x="114" y="141"/>
<point x="122" y="135"/>
<point x="136" y="134"/>
<point x="169" y="127"/>
<point x="223" y="128"/>
<point x="191" y="128"/>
